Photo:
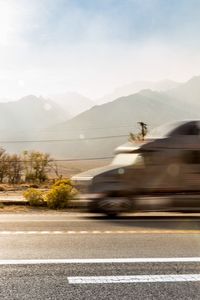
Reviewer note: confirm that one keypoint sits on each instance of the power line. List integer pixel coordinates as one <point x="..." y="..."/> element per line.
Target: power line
<point x="81" y="139"/>
<point x="60" y="160"/>
<point x="88" y="128"/>
<point x="82" y="159"/>
<point x="46" y="130"/>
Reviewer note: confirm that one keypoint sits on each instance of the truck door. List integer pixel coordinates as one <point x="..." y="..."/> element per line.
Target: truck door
<point x="190" y="170"/>
<point x="162" y="171"/>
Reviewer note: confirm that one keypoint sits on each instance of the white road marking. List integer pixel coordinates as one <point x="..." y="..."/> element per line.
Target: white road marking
<point x="133" y="279"/>
<point x="72" y="232"/>
<point x="100" y="260"/>
<point x="93" y="232"/>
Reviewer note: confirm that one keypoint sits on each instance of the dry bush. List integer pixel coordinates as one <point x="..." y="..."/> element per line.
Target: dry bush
<point x="34" y="197"/>
<point x="60" y="194"/>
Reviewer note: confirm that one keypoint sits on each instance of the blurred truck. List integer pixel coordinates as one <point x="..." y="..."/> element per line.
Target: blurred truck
<point x="161" y="173"/>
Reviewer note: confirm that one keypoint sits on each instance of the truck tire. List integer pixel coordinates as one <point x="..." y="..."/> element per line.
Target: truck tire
<point x="112" y="206"/>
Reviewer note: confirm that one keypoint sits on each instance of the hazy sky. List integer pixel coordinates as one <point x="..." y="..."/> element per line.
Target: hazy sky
<point x="94" y="46"/>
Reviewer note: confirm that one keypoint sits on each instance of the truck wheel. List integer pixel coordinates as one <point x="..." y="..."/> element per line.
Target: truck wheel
<point x="113" y="206"/>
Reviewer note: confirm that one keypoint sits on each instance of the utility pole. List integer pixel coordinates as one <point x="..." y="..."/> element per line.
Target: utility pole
<point x="143" y="129"/>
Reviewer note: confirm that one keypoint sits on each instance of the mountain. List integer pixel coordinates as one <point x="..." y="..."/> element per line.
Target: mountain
<point x="136" y="87"/>
<point x="27" y="114"/>
<point x="96" y="132"/>
<point x="152" y="107"/>
<point x="73" y="103"/>
<point x="188" y="92"/>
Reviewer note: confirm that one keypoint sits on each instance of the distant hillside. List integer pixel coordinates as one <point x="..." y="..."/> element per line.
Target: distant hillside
<point x="97" y="131"/>
<point x="28" y="114"/>
<point x="137" y="86"/>
<point x="73" y="103"/>
<point x="151" y="107"/>
<point x="77" y="137"/>
<point x="189" y="92"/>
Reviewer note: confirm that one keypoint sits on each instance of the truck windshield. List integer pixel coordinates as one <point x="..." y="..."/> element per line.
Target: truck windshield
<point x="125" y="159"/>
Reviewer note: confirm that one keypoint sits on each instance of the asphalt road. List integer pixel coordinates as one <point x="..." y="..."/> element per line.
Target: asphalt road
<point x="82" y="256"/>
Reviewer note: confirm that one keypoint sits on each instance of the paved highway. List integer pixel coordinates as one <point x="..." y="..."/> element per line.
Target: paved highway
<point x="83" y="256"/>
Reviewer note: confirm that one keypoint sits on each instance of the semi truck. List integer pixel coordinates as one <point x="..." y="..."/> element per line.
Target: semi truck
<point x="161" y="173"/>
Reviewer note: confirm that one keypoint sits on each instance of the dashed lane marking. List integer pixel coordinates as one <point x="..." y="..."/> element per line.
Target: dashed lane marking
<point x="101" y="260"/>
<point x="93" y="232"/>
<point x="133" y="279"/>
<point x="135" y="219"/>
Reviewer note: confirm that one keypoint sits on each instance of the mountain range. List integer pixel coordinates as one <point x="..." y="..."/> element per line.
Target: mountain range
<point x="72" y="103"/>
<point x="30" y="113"/>
<point x="137" y="86"/>
<point x="98" y="130"/>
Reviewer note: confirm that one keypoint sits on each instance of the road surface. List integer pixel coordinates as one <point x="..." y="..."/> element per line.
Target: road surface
<point x="84" y="256"/>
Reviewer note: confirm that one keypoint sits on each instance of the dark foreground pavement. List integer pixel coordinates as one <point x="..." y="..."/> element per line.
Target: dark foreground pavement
<point x="33" y="237"/>
<point x="53" y="282"/>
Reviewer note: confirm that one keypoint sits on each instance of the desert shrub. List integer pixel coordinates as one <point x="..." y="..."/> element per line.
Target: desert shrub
<point x="36" y="166"/>
<point x="67" y="182"/>
<point x="34" y="197"/>
<point x="63" y="181"/>
<point x="59" y="195"/>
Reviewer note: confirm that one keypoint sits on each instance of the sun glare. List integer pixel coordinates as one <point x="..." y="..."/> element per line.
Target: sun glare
<point x="7" y="21"/>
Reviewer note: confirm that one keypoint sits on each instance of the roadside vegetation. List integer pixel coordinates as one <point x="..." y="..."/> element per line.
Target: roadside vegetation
<point x="57" y="197"/>
<point x="34" y="197"/>
<point x="28" y="167"/>
<point x="140" y="136"/>
<point x="35" y="173"/>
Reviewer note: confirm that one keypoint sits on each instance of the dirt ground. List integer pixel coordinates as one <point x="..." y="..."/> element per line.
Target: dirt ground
<point x="34" y="210"/>
<point x="70" y="168"/>
<point x="20" y="209"/>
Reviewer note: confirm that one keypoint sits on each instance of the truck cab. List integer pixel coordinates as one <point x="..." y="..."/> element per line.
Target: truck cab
<point x="160" y="173"/>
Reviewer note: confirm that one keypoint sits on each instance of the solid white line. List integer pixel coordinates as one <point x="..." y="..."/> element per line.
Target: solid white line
<point x="133" y="279"/>
<point x="100" y="260"/>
